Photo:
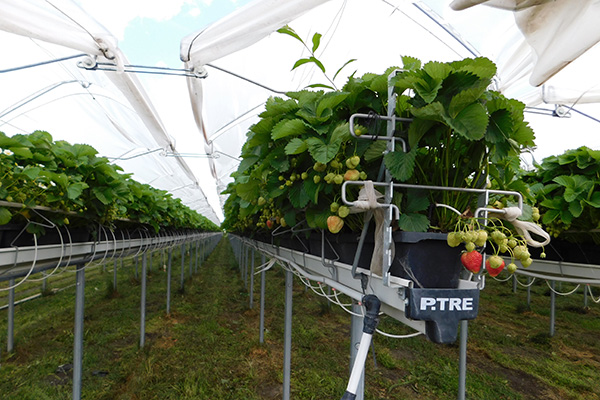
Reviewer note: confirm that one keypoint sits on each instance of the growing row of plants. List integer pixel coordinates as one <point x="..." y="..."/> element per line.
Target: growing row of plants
<point x="301" y="151"/>
<point x="37" y="171"/>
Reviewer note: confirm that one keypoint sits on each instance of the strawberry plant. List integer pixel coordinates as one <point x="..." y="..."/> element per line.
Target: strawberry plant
<point x="459" y="129"/>
<point x="300" y="152"/>
<point x="566" y="189"/>
<point x="73" y="179"/>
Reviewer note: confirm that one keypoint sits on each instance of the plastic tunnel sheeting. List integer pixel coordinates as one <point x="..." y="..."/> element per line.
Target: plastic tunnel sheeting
<point x="184" y="135"/>
<point x="108" y="110"/>
<point x="530" y="41"/>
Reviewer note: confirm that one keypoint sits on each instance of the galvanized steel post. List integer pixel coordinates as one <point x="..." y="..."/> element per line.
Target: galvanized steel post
<point x="11" y="316"/>
<point x="78" y="331"/>
<point x="287" y="342"/>
<point x="143" y="303"/>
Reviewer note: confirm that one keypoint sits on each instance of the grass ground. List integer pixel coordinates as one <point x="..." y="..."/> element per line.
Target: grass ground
<point x="208" y="347"/>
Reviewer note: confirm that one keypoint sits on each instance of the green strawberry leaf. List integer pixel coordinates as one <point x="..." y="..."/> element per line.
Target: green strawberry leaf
<point x="401" y="165"/>
<point x="289" y="127"/>
<point x="5" y="216"/>
<point x="413" y="222"/>
<point x="296" y="146"/>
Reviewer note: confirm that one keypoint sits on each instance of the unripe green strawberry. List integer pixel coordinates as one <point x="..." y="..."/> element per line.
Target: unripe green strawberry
<point x="334" y="207"/>
<point x="282" y="222"/>
<point x="317" y="179"/>
<point x="453" y="239"/>
<point x="261" y="201"/>
<point x="511" y="268"/>
<point x="334" y="224"/>
<point x="470" y="246"/>
<point x="304" y="175"/>
<point x="329" y="177"/>
<point x="482" y="237"/>
<point x="535" y="213"/>
<point x="498" y="237"/>
<point x="353" y="162"/>
<point x="527" y="262"/>
<point x="351" y="175"/>
<point x="518" y="251"/>
<point x="319" y="167"/>
<point x="470" y="236"/>
<point x="362" y="175"/>
<point x="338" y="179"/>
<point x="335" y="164"/>
<point x="472" y="261"/>
<point x="343" y="211"/>
<point x="512" y="243"/>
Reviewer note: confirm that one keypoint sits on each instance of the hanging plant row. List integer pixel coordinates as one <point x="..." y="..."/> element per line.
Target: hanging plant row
<point x="82" y="187"/>
<point x="301" y="151"/>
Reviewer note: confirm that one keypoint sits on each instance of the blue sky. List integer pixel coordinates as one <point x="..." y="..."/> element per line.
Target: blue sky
<point x="149" y="32"/>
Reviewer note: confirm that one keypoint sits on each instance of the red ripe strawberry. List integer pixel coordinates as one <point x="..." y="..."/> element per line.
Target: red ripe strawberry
<point x="472" y="260"/>
<point x="269" y="224"/>
<point x="494" y="265"/>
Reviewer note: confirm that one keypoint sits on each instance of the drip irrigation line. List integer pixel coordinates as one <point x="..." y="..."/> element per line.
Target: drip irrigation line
<point x="503" y="280"/>
<point x="589" y="289"/>
<point x="30" y="269"/>
<point x="523" y="284"/>
<point x="334" y="298"/>
<point x="560" y="293"/>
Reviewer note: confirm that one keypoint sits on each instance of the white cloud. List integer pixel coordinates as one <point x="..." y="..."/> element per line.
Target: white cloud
<point x="115" y="15"/>
<point x="195" y="11"/>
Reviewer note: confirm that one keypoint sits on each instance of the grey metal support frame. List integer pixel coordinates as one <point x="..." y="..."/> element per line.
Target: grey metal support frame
<point x="10" y="343"/>
<point x="261" y="328"/>
<point x="251" y="300"/>
<point x="143" y="303"/>
<point x="115" y="275"/>
<point x="552" y="308"/>
<point x="78" y="331"/>
<point x="182" y="277"/>
<point x="287" y="341"/>
<point x="462" y="359"/>
<point x="169" y="260"/>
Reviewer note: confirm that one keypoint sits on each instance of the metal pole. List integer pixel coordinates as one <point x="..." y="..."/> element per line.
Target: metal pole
<point x="78" y="331"/>
<point x="115" y="275"/>
<point x="552" y="308"/>
<point x="143" y="303"/>
<point x="462" y="360"/>
<point x="169" y="281"/>
<point x="191" y="265"/>
<point x="356" y="331"/>
<point x="287" y="343"/>
<point x="182" y="266"/>
<point x="136" y="267"/>
<point x="252" y="280"/>
<point x="196" y="258"/>
<point x="10" y="345"/>
<point x="262" y="303"/>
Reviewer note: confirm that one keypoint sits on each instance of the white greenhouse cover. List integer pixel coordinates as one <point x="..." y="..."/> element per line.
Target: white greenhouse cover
<point x="546" y="52"/>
